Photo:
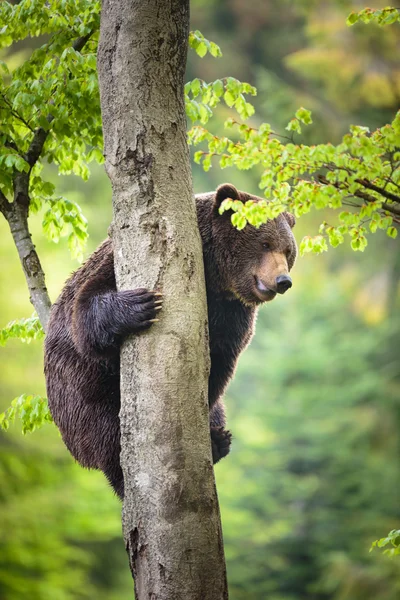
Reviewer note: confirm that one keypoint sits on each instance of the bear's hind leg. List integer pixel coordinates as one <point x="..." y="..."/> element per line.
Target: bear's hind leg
<point x="220" y="438"/>
<point x="220" y="443"/>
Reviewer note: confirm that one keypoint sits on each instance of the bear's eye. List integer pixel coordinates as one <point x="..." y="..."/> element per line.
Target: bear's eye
<point x="266" y="246"/>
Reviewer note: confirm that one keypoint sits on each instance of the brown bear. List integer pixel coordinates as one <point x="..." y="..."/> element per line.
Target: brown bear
<point x="90" y="319"/>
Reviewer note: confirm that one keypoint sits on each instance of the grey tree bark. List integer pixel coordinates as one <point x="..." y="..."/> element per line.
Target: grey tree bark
<point x="171" y="516"/>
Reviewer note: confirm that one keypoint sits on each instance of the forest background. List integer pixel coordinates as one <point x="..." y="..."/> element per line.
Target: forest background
<point x="314" y="475"/>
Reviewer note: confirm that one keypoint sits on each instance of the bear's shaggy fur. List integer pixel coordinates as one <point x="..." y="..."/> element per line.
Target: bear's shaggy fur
<point x="90" y="319"/>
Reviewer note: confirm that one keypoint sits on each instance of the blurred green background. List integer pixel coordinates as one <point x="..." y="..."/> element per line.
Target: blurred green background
<point x="313" y="477"/>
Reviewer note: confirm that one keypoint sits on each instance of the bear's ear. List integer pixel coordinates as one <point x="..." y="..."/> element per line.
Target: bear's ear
<point x="290" y="219"/>
<point x="224" y="191"/>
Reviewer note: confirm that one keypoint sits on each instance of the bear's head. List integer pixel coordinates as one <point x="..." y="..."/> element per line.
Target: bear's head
<point x="254" y="263"/>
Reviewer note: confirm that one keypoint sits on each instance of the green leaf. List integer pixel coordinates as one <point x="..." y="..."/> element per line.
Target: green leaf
<point x="294" y="125"/>
<point x="392" y="232"/>
<point x="196" y="87"/>
<point x="218" y="88"/>
<point x="304" y="115"/>
<point x="238" y="221"/>
<point x="229" y="98"/>
<point x="352" y="18"/>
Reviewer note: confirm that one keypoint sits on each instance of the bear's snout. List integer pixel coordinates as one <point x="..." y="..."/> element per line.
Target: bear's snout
<point x="283" y="283"/>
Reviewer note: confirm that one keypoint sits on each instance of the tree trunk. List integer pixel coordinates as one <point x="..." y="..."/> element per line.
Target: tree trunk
<point x="171" y="516"/>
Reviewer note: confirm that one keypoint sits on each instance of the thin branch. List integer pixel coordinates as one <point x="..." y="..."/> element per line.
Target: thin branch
<point x="359" y="194"/>
<point x="390" y="180"/>
<point x="385" y="206"/>
<point x="80" y="42"/>
<point x="15" y="113"/>
<point x="367" y="184"/>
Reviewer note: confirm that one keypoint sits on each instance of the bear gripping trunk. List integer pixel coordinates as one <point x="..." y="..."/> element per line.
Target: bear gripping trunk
<point x="170" y="516"/>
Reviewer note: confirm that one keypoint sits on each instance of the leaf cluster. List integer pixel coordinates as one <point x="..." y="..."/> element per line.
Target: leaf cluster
<point x="25" y="330"/>
<point x="362" y="173"/>
<point x="381" y="17"/>
<point x="201" y="45"/>
<point x="202" y="97"/>
<point x="49" y="105"/>
<point x="392" y="539"/>
<point x="33" y="411"/>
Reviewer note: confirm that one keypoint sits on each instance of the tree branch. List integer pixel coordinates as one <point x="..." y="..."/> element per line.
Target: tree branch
<point x="359" y="194"/>
<point x="367" y="184"/>
<point x="16" y="214"/>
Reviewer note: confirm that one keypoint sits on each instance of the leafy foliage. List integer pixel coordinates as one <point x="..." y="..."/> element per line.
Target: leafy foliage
<point x="362" y="172"/>
<point x="201" y="45"/>
<point x="384" y="16"/>
<point x="210" y="95"/>
<point x="25" y="330"/>
<point x="392" y="539"/>
<point x="33" y="411"/>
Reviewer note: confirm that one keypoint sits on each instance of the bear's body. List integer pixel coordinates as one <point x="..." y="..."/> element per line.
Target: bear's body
<point x="90" y="319"/>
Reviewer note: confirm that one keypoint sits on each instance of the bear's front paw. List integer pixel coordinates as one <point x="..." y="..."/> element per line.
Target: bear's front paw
<point x="140" y="308"/>
<point x="220" y="443"/>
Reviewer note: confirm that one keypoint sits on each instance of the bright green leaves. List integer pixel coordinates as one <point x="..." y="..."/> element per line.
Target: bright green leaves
<point x="363" y="171"/>
<point x="201" y="45"/>
<point x="52" y="96"/>
<point x="33" y="411"/>
<point x="11" y="160"/>
<point x="254" y="213"/>
<point x="25" y="330"/>
<point x="294" y="125"/>
<point x="234" y="97"/>
<point x="202" y="97"/>
<point x="38" y="17"/>
<point x="65" y="217"/>
<point x="316" y="245"/>
<point x="384" y="16"/>
<point x="302" y="116"/>
<point x="392" y="539"/>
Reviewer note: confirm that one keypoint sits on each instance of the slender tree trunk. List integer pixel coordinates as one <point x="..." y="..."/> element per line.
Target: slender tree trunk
<point x="171" y="516"/>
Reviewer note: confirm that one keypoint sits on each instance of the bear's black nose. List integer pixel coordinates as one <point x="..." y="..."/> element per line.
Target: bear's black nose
<point x="283" y="283"/>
